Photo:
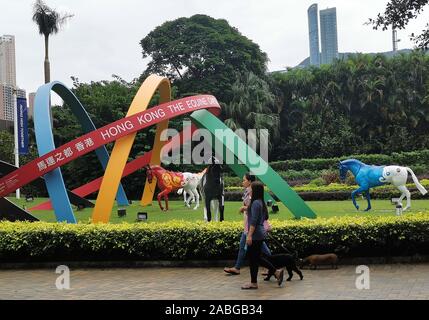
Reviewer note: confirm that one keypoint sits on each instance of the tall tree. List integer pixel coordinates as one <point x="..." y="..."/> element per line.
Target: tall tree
<point x="252" y="107"/>
<point x="49" y="22"/>
<point x="202" y="54"/>
<point x="398" y="14"/>
<point x="365" y="104"/>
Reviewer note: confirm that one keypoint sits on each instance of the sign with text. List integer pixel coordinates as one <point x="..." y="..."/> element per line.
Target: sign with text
<point x="109" y="133"/>
<point x="21" y="104"/>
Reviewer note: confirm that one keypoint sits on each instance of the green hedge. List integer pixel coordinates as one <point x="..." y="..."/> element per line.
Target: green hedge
<point x="289" y="175"/>
<point x="179" y="240"/>
<point x="415" y="158"/>
<point x="337" y="191"/>
<point x="309" y="169"/>
<point x="343" y="187"/>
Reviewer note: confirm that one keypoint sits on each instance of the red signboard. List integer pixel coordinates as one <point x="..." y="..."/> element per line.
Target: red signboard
<point x="95" y="139"/>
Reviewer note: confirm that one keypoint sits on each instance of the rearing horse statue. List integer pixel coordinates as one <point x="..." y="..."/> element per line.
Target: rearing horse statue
<point x="373" y="176"/>
<point x="167" y="182"/>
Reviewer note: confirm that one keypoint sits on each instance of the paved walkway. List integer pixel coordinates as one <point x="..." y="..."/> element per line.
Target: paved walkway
<point x="399" y="281"/>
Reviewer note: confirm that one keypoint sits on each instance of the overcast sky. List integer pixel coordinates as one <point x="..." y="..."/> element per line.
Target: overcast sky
<point x="103" y="37"/>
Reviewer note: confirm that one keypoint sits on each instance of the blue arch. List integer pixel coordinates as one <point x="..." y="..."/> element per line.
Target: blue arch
<point x="45" y="143"/>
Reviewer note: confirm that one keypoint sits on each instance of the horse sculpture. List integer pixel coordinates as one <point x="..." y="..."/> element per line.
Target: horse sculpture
<point x="373" y="176"/>
<point x="167" y="182"/>
<point x="190" y="186"/>
<point x="212" y="188"/>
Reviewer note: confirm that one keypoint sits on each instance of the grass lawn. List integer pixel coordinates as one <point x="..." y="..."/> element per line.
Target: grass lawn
<point x="178" y="211"/>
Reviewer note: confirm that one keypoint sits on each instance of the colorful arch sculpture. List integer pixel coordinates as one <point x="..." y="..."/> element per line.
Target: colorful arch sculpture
<point x="203" y="109"/>
<point x="45" y="143"/>
<point x="271" y="178"/>
<point x="122" y="148"/>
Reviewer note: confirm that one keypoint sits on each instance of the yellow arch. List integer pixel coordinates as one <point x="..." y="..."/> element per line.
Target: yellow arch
<point x="121" y="150"/>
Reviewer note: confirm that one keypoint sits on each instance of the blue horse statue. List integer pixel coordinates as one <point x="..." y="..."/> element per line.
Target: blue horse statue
<point x="367" y="177"/>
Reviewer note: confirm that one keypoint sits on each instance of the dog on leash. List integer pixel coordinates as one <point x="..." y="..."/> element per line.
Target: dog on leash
<point x="287" y="261"/>
<point x="316" y="260"/>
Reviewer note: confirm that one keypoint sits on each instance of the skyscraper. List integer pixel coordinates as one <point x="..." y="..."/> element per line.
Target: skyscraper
<point x="328" y="34"/>
<point x="313" y="33"/>
<point x="31" y="97"/>
<point x="6" y="100"/>
<point x="8" y="78"/>
<point x="7" y="60"/>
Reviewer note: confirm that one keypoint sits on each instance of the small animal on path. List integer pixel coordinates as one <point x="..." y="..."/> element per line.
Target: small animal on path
<point x="316" y="260"/>
<point x="284" y="260"/>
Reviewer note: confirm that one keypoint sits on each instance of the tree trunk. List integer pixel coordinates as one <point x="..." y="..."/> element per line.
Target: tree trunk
<point x="47" y="65"/>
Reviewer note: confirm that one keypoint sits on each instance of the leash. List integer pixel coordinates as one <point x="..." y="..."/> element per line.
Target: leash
<point x="278" y="243"/>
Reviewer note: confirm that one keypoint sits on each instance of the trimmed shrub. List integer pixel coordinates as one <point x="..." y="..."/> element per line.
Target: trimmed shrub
<point x="316" y="191"/>
<point x="318" y="182"/>
<point x="290" y="175"/>
<point x="179" y="240"/>
<point x="418" y="159"/>
<point x="330" y="176"/>
<point x="232" y="181"/>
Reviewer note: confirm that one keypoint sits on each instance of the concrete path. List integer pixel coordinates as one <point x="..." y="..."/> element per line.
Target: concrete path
<point x="396" y="281"/>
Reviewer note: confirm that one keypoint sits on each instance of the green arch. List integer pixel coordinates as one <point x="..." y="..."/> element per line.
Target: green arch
<point x="204" y="119"/>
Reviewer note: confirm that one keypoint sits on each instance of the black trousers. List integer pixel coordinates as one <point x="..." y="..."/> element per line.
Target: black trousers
<point x="256" y="259"/>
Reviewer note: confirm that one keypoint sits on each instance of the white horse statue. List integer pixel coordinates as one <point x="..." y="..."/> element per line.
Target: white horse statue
<point x="398" y="176"/>
<point x="367" y="177"/>
<point x="191" y="182"/>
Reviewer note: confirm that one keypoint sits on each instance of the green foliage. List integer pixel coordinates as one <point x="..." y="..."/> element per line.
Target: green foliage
<point x="318" y="182"/>
<point x="420" y="159"/>
<point x="202" y="54"/>
<point x="313" y="187"/>
<point x="365" y="104"/>
<point x="293" y="175"/>
<point x="233" y="182"/>
<point x="48" y="20"/>
<point x="397" y="16"/>
<point x="179" y="240"/>
<point x="7" y="155"/>
<point x="6" y="147"/>
<point x="289" y="175"/>
<point x="252" y="107"/>
<point x="318" y="189"/>
<point x="329" y="176"/>
<point x="105" y="102"/>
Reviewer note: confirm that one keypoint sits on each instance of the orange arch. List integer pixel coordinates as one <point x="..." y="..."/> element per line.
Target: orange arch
<point x="121" y="150"/>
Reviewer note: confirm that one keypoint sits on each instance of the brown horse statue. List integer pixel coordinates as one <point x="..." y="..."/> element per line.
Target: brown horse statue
<point x="167" y="182"/>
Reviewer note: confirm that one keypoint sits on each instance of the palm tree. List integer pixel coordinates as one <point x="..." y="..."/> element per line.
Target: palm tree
<point x="252" y="106"/>
<point x="49" y="22"/>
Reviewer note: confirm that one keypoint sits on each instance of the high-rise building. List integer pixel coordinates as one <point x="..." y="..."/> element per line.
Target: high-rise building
<point x="7" y="60"/>
<point x="328" y="35"/>
<point x="6" y="100"/>
<point x="313" y="33"/>
<point x="31" y="97"/>
<point x="8" y="78"/>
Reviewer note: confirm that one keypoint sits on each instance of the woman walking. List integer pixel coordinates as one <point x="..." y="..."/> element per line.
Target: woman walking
<point x="248" y="178"/>
<point x="257" y="214"/>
